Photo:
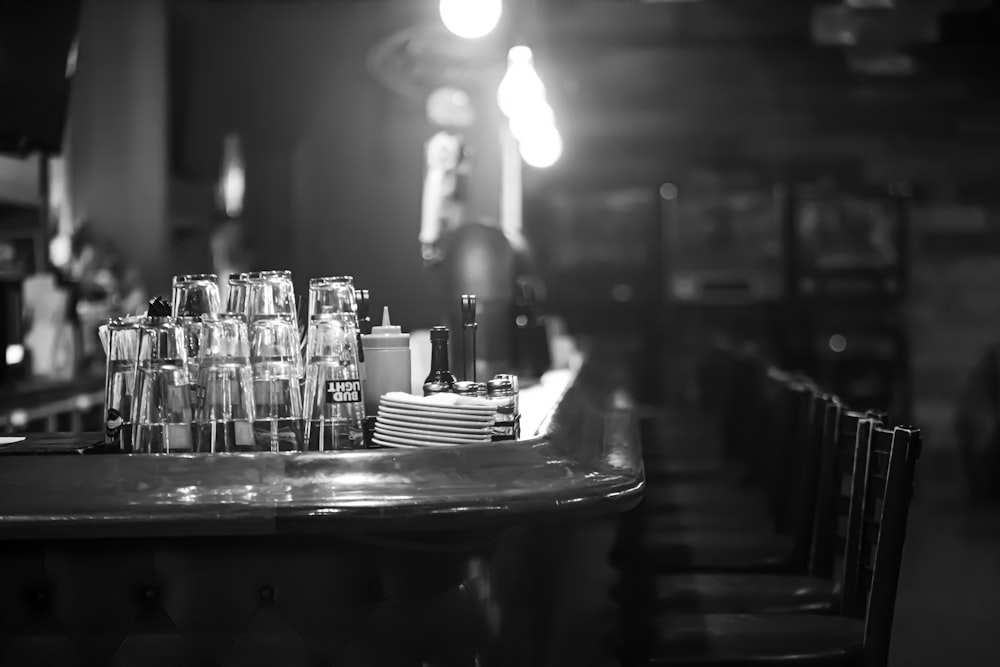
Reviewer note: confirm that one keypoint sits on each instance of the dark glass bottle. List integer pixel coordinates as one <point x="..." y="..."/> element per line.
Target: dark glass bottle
<point x="439" y="380"/>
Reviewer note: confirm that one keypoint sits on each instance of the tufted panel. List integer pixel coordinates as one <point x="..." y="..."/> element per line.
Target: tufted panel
<point x="276" y="601"/>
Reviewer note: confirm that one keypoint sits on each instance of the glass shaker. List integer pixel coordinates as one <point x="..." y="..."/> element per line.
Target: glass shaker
<point x="501" y="392"/>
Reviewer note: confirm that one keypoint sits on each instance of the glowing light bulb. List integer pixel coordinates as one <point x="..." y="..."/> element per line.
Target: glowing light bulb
<point x="61" y="250"/>
<point x="543" y="149"/>
<point x="532" y="119"/>
<point x="233" y="188"/>
<point x="471" y="18"/>
<point x="232" y="185"/>
<point x="14" y="354"/>
<point x="521" y="87"/>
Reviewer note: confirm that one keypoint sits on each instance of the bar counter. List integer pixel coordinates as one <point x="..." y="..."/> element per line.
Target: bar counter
<point x="379" y="557"/>
<point x="581" y="460"/>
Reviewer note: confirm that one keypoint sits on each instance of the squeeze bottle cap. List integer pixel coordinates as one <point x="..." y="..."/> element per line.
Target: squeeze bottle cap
<point x="387" y="335"/>
<point x="387" y="326"/>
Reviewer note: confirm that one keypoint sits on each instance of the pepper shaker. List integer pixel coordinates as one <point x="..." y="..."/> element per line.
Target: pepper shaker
<point x="469" y="327"/>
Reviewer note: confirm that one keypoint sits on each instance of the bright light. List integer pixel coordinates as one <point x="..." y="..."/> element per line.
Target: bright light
<point x="61" y="250"/>
<point x="232" y="187"/>
<point x="521" y="97"/>
<point x="531" y="120"/>
<point x="450" y="107"/>
<point x="18" y="418"/>
<point x="471" y="18"/>
<point x="521" y="88"/>
<point x="543" y="149"/>
<point x="15" y="354"/>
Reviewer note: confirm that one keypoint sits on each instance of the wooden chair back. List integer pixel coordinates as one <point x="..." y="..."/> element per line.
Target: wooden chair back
<point x="885" y="462"/>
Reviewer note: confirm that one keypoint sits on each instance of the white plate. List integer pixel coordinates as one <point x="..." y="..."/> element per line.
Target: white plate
<point x="444" y="401"/>
<point x="381" y="429"/>
<point x="394" y="445"/>
<point x="468" y="420"/>
<point x="436" y="425"/>
<point x="394" y="440"/>
<point x="477" y="409"/>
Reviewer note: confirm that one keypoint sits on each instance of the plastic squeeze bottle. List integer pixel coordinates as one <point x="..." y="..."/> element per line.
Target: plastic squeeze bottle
<point x="387" y="362"/>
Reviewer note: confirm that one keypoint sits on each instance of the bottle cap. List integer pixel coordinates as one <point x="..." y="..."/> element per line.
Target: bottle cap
<point x="387" y="326"/>
<point x="439" y="333"/>
<point x="387" y="335"/>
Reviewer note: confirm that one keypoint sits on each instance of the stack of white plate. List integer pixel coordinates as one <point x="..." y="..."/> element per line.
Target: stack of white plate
<point x="440" y="420"/>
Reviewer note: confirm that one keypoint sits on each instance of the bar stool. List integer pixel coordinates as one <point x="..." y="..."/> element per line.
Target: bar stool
<point x="789" y="422"/>
<point x="787" y="418"/>
<point x="815" y="592"/>
<point x="719" y="493"/>
<point x="884" y="468"/>
<point x="689" y="445"/>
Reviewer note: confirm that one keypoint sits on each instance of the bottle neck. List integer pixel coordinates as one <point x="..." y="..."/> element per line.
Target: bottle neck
<point x="439" y="355"/>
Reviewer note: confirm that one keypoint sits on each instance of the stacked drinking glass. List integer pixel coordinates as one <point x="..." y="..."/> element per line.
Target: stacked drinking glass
<point x="333" y="405"/>
<point x="208" y="380"/>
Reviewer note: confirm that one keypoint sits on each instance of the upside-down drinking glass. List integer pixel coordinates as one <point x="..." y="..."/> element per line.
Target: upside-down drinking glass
<point x="333" y="407"/>
<point x="224" y="407"/>
<point x="161" y="410"/>
<point x="275" y="357"/>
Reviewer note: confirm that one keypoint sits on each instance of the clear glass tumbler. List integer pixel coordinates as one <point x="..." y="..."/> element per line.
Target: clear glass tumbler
<point x="121" y="339"/>
<point x="239" y="291"/>
<point x="271" y="293"/>
<point x="333" y="296"/>
<point x="275" y="357"/>
<point x="194" y="295"/>
<point x="333" y="405"/>
<point x="161" y="410"/>
<point x="224" y="406"/>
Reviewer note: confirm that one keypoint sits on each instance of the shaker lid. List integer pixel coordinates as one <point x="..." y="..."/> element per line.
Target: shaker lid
<point x="512" y="378"/>
<point x="470" y="388"/>
<point x="500" y="386"/>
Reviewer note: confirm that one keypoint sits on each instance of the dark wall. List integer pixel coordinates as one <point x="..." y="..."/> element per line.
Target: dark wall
<point x="116" y="138"/>
<point x="334" y="160"/>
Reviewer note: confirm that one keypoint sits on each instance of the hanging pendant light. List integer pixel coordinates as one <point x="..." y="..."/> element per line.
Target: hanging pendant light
<point x="232" y="181"/>
<point x="521" y="88"/>
<point x="471" y="18"/>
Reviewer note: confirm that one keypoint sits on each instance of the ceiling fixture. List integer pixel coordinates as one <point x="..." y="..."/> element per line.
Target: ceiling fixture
<point x="232" y="184"/>
<point x="521" y="86"/>
<point x="522" y="98"/>
<point x="471" y="19"/>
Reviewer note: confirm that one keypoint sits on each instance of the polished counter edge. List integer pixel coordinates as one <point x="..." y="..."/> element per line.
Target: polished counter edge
<point x="586" y="461"/>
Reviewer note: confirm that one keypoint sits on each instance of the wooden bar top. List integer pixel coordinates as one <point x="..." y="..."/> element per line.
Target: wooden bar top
<point x="584" y="460"/>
